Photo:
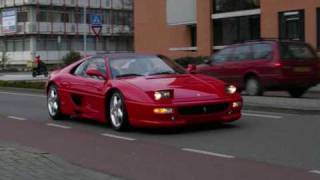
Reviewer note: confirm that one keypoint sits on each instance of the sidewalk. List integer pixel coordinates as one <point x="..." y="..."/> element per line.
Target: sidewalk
<point x="21" y="163"/>
<point x="295" y="105"/>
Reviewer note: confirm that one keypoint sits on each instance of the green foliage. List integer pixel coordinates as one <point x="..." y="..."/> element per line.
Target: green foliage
<point x="185" y="61"/>
<point x="71" y="57"/>
<point x="23" y="84"/>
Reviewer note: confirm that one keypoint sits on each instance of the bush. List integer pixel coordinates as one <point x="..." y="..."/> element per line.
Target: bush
<point x="71" y="57"/>
<point x="184" y="61"/>
<point x="23" y="84"/>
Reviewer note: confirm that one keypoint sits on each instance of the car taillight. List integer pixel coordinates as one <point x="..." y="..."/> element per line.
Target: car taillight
<point x="277" y="64"/>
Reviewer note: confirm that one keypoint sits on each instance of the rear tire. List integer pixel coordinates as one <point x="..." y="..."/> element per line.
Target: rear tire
<point x="53" y="103"/>
<point x="118" y="114"/>
<point x="297" y="92"/>
<point x="253" y="87"/>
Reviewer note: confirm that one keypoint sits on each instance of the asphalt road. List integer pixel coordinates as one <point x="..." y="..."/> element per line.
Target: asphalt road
<point x="262" y="145"/>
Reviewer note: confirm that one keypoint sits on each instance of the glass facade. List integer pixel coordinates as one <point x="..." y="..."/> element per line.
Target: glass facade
<point x="232" y="30"/>
<point x="221" y="6"/>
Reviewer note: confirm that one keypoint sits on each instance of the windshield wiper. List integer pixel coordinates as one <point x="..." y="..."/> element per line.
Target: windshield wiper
<point x="128" y="75"/>
<point x="164" y="72"/>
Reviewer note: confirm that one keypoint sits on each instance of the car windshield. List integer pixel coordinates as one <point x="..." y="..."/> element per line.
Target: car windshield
<point x="292" y="51"/>
<point x="143" y="66"/>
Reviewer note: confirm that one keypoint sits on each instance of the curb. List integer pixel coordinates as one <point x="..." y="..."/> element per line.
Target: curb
<point x="291" y="110"/>
<point x="30" y="90"/>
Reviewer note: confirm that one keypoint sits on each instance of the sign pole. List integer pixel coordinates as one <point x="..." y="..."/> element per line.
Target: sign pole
<point x="85" y="33"/>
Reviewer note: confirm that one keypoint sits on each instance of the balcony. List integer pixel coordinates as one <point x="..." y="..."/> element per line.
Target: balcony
<point x="68" y="29"/>
<point x="104" y="4"/>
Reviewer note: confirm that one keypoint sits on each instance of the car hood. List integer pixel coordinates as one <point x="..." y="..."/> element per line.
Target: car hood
<point x="185" y="86"/>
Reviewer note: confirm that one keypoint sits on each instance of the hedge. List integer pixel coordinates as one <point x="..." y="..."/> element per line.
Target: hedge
<point x="184" y="61"/>
<point x="23" y="84"/>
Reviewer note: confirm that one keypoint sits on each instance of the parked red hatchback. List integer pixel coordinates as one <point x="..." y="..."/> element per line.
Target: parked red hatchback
<point x="266" y="65"/>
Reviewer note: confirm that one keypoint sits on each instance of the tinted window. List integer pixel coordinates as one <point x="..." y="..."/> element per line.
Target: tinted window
<point x="242" y="53"/>
<point x="292" y="51"/>
<point x="222" y="55"/>
<point x="80" y="70"/>
<point x="262" y="51"/>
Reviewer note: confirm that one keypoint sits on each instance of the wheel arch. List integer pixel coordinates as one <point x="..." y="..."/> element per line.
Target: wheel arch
<point x="249" y="75"/>
<point x="50" y="83"/>
<point x="106" y="101"/>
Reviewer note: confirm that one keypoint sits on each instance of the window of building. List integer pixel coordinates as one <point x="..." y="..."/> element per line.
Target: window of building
<point x="193" y="35"/>
<point x="318" y="26"/>
<point x="236" y="29"/>
<point x="20" y="44"/>
<point x="221" y="6"/>
<point x="22" y="16"/>
<point x="291" y="25"/>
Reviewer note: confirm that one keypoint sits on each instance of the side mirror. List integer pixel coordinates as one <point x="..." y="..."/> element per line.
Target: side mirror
<point x="192" y="68"/>
<point x="94" y="72"/>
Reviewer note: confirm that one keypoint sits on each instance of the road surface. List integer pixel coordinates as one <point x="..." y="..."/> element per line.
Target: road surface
<point x="262" y="145"/>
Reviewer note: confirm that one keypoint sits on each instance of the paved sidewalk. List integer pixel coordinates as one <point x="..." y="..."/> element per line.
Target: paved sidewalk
<point x="21" y="163"/>
<point x="300" y="105"/>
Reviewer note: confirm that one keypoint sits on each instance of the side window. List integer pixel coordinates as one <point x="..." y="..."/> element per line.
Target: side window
<point x="81" y="69"/>
<point x="222" y="55"/>
<point x="97" y="64"/>
<point x="94" y="63"/>
<point x="242" y="53"/>
<point x="262" y="51"/>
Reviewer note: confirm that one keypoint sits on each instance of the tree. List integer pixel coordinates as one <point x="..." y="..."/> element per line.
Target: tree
<point x="71" y="57"/>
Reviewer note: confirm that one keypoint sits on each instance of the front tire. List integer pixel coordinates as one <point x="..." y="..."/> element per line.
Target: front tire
<point x="254" y="87"/>
<point x="297" y="92"/>
<point x="117" y="112"/>
<point x="53" y="103"/>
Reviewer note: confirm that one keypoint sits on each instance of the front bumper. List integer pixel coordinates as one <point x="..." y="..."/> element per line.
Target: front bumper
<point x="142" y="115"/>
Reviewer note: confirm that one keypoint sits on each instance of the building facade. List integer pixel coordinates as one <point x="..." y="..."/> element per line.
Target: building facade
<point x="52" y="28"/>
<point x="179" y="28"/>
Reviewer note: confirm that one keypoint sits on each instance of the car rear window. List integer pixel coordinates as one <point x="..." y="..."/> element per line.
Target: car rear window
<point x="292" y="51"/>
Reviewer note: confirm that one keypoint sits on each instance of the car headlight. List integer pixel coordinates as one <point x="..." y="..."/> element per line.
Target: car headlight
<point x="231" y="89"/>
<point x="164" y="94"/>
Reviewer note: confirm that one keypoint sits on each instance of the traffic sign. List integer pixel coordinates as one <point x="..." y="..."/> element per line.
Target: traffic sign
<point x="96" y="20"/>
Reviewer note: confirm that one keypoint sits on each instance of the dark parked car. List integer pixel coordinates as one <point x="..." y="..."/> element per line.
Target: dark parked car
<point x="257" y="66"/>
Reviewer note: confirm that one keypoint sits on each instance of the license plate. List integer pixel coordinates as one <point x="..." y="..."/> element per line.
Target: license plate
<point x="302" y="69"/>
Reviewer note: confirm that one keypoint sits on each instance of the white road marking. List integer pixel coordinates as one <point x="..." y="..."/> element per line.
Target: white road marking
<point x="262" y="115"/>
<point x="208" y="153"/>
<point x="315" y="171"/>
<point x="17" y="118"/>
<point x="22" y="94"/>
<point x="118" y="137"/>
<point x="58" y="126"/>
<point x="268" y="113"/>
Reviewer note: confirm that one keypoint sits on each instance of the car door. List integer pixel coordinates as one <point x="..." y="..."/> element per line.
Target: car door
<point x="216" y="66"/>
<point x="238" y="64"/>
<point x="87" y="91"/>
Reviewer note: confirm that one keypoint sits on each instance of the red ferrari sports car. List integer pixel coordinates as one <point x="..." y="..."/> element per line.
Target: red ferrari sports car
<point x="140" y="91"/>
